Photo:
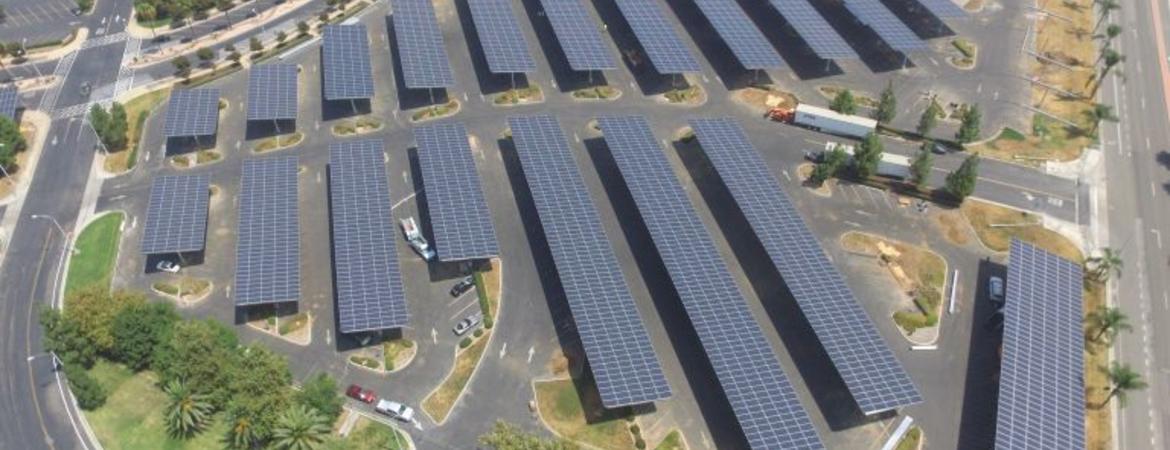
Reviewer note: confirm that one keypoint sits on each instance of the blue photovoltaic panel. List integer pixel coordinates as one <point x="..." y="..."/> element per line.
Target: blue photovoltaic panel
<point x="345" y="54"/>
<point x="814" y="29"/>
<point x="578" y="35"/>
<point x="750" y="46"/>
<point x="943" y="9"/>
<point x="665" y="49"/>
<point x="459" y="214"/>
<point x="617" y="347"/>
<point x="268" y="249"/>
<point x="192" y="112"/>
<point x="870" y="371"/>
<point x="420" y="45"/>
<point x="365" y="257"/>
<point x="500" y="36"/>
<point x="763" y="400"/>
<point x="176" y="215"/>
<point x="889" y="27"/>
<point x="1041" y="384"/>
<point x="9" y="96"/>
<point x="272" y="92"/>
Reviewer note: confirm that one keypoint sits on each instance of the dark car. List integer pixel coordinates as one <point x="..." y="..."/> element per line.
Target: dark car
<point x="462" y="286"/>
<point x="363" y="395"/>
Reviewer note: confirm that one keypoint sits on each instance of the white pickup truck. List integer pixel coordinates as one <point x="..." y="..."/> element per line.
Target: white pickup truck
<point x="416" y="239"/>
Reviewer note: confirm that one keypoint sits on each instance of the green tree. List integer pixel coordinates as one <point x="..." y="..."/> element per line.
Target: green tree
<point x="14" y="49"/>
<point x="187" y="413"/>
<point x="89" y="394"/>
<point x="921" y="166"/>
<point x="1107" y="264"/>
<point x="867" y="156"/>
<point x="242" y="434"/>
<point x="1108" y="321"/>
<point x="146" y="12"/>
<point x="203" y="353"/>
<point x="844" y="102"/>
<point x="205" y="54"/>
<point x="929" y="118"/>
<point x="138" y="329"/>
<point x="254" y="44"/>
<point x="99" y="119"/>
<point x="969" y="128"/>
<point x="93" y="309"/>
<point x="1122" y="381"/>
<point x="303" y="28"/>
<point x="320" y="393"/>
<point x="64" y="338"/>
<point x="961" y="182"/>
<point x="119" y="126"/>
<point x="85" y="6"/>
<point x="1110" y="58"/>
<point x="258" y="386"/>
<point x="1100" y="112"/>
<point x="11" y="142"/>
<point x="505" y="436"/>
<point x="182" y="66"/>
<point x="235" y="57"/>
<point x="887" y="105"/>
<point x="831" y="164"/>
<point x="1106" y="8"/>
<point x="1111" y="32"/>
<point x="281" y="36"/>
<point x="300" y="428"/>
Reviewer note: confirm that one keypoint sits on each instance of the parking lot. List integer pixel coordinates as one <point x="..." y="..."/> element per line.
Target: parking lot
<point x="37" y="20"/>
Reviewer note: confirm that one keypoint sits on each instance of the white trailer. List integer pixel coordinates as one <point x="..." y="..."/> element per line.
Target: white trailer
<point x="833" y="122"/>
<point x="890" y="166"/>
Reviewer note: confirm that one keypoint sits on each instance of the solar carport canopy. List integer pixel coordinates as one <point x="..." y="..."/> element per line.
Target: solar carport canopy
<point x="616" y="344"/>
<point x="500" y="36"/>
<point x="365" y="259"/>
<point x="192" y="112"/>
<point x="1041" y="384"/>
<point x="814" y="29"/>
<point x="665" y="49"/>
<point x="176" y="215"/>
<point x="872" y="374"/>
<point x="762" y="398"/>
<point x="578" y="35"/>
<point x="459" y="214"/>
<point x="9" y="96"/>
<point x="268" y="250"/>
<point x="943" y="9"/>
<point x="750" y="47"/>
<point x="345" y="54"/>
<point x="889" y="27"/>
<point x="272" y="92"/>
<point x="420" y="45"/>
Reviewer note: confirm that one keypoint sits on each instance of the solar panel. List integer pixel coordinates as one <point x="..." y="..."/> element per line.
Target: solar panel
<point x="943" y="9"/>
<point x="345" y="54"/>
<point x="750" y="47"/>
<point x="578" y="35"/>
<point x="889" y="27"/>
<point x="268" y="249"/>
<point x="420" y="45"/>
<point x="870" y="371"/>
<point x="616" y="345"/>
<point x="665" y="49"/>
<point x="814" y="29"/>
<point x="9" y="96"/>
<point x="762" y="398"/>
<point x="192" y="112"/>
<point x="459" y="214"/>
<point x="365" y="258"/>
<point x="272" y="92"/>
<point x="176" y="215"/>
<point x="1041" y="384"/>
<point x="500" y="36"/>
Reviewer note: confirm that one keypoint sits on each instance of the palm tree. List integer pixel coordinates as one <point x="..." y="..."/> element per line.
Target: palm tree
<point x="1111" y="58"/>
<point x="1108" y="262"/>
<point x="242" y="434"/>
<point x="1111" y="32"/>
<point x="187" y="412"/>
<point x="1108" y="322"/>
<point x="1107" y="7"/>
<point x="1122" y="380"/>
<point x="1099" y="113"/>
<point x="299" y="428"/>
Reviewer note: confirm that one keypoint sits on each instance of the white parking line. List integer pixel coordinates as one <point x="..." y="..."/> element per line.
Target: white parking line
<point x="461" y="310"/>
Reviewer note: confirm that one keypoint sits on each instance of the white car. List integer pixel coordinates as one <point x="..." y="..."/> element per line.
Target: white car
<point x="995" y="291"/>
<point x="416" y="239"/>
<point x="167" y="266"/>
<point x="466" y="324"/>
<point x="395" y="410"/>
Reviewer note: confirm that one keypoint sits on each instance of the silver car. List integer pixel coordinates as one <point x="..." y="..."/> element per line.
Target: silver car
<point x="466" y="324"/>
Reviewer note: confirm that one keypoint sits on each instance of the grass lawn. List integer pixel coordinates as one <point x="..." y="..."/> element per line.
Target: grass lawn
<point x="184" y="288"/>
<point x="132" y="418"/>
<point x="672" y="441"/>
<point x="1024" y="226"/>
<point x="911" y="440"/>
<point x="294" y="323"/>
<point x="137" y="110"/>
<point x="397" y="352"/>
<point x="369" y="435"/>
<point x="564" y="411"/>
<point x="439" y="404"/>
<point x="97" y="250"/>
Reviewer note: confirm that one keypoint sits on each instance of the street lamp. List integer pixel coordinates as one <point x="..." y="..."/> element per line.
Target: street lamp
<point x="24" y="53"/>
<point x="57" y="363"/>
<point x="56" y="224"/>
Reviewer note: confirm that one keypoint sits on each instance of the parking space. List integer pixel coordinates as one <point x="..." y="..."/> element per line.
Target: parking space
<point x="37" y="20"/>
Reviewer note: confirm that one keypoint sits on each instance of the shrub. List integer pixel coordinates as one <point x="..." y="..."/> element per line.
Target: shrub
<point x="478" y="332"/>
<point x="634" y="429"/>
<point x="407" y="343"/>
<point x="640" y="443"/>
<point x="466" y="342"/>
<point x="488" y="322"/>
<point x="89" y="393"/>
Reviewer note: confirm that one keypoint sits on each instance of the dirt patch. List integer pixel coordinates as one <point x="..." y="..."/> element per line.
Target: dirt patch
<point x="804" y="171"/>
<point x="953" y="227"/>
<point x="997" y="225"/>
<point x="764" y="98"/>
<point x="1049" y="141"/>
<point x="919" y="272"/>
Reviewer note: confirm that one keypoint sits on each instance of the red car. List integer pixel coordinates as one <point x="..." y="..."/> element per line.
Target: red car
<point x="363" y="395"/>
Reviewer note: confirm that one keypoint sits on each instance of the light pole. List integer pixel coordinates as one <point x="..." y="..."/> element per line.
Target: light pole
<point x="57" y="225"/>
<point x="24" y="53"/>
<point x="65" y="246"/>
<point x="102" y="144"/>
<point x="57" y="363"/>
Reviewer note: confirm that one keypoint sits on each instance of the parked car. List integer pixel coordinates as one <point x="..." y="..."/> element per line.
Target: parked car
<point x="167" y="266"/>
<point x="995" y="291"/>
<point x="416" y="239"/>
<point x="357" y="393"/>
<point x="995" y="322"/>
<point x="462" y="286"/>
<point x="395" y="410"/>
<point x="466" y="324"/>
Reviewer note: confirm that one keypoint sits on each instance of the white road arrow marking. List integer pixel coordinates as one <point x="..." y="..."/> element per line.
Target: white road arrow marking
<point x="531" y="351"/>
<point x="434" y="336"/>
<point x="503" y="350"/>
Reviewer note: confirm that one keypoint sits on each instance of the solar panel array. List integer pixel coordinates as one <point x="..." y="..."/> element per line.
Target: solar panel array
<point x="420" y="45"/>
<point x="870" y="371"/>
<point x="9" y="97"/>
<point x="268" y="249"/>
<point x="500" y="36"/>
<point x="616" y="344"/>
<point x="762" y="398"/>
<point x="192" y="112"/>
<point x="1041" y="384"/>
<point x="272" y="92"/>
<point x="814" y="29"/>
<point x="176" y="215"/>
<point x="459" y="214"/>
<point x="889" y="27"/>
<point x="943" y="9"/>
<point x="578" y="35"/>
<point x="345" y="51"/>
<point x="365" y="258"/>
<point x="665" y="49"/>
<point x="750" y="46"/>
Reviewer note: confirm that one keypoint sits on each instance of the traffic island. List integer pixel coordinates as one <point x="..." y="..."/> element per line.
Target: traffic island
<point x="913" y="440"/>
<point x="804" y="174"/>
<point x="968" y="54"/>
<point x="528" y="95"/>
<point x="691" y="95"/>
<point x="392" y="356"/>
<point x="861" y="99"/>
<point x="608" y="93"/>
<point x="279" y="142"/>
<point x="436" y="111"/>
<point x="197" y="159"/>
<point x="919" y="273"/>
<point x="997" y="225"/>
<point x="296" y="328"/>
<point x="33" y="130"/>
<point x="96" y="253"/>
<point x="184" y="290"/>
<point x="575" y="413"/>
<point x="138" y="110"/>
<point x="763" y="98"/>
<point x="353" y="127"/>
<point x="673" y="441"/>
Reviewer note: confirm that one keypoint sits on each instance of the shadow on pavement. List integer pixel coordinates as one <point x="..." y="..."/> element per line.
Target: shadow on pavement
<point x="568" y="80"/>
<point x="981" y="390"/>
